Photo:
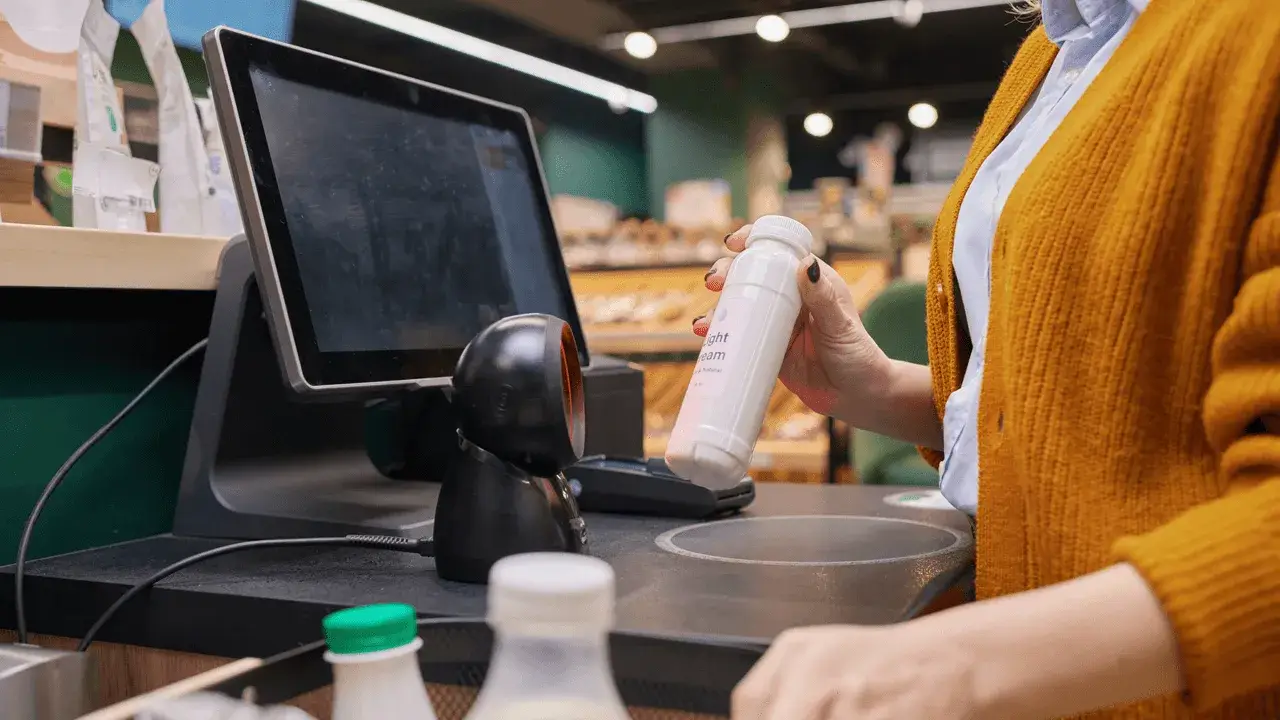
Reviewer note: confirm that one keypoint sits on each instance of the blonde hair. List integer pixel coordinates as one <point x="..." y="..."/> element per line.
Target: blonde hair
<point x="1026" y="10"/>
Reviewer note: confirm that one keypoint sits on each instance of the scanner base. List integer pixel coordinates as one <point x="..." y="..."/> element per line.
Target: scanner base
<point x="648" y="487"/>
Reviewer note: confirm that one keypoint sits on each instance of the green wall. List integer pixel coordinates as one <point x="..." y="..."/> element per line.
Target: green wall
<point x="72" y="359"/>
<point x="700" y="128"/>
<point x="699" y="132"/>
<point x="596" y="163"/>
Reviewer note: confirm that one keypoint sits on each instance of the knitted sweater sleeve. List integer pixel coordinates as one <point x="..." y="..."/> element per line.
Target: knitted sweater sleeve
<point x="1216" y="568"/>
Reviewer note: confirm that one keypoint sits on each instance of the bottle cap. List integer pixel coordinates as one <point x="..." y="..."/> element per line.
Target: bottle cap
<point x="556" y="591"/>
<point x="784" y="229"/>
<point x="370" y="628"/>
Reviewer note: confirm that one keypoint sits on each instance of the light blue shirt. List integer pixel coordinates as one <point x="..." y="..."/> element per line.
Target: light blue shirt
<point x="1087" y="33"/>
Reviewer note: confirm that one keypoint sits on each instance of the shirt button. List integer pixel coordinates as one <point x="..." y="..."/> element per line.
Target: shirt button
<point x="938" y="288"/>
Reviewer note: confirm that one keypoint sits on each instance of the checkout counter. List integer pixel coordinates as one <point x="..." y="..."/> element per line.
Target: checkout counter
<point x="797" y="555"/>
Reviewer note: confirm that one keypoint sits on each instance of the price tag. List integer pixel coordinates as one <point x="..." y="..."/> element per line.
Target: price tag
<point x="116" y="179"/>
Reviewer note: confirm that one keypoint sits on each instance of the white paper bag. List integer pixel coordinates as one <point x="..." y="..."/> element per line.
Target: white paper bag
<point x="101" y="159"/>
<point x="184" y="182"/>
<point x="222" y="209"/>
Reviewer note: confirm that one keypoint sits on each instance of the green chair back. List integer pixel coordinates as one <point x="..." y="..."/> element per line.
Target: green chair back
<point x="895" y="319"/>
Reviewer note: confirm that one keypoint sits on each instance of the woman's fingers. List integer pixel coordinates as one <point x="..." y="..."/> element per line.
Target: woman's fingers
<point x="764" y="691"/>
<point x="700" y="325"/>
<point x="736" y="241"/>
<point x="820" y="291"/>
<point x="715" y="277"/>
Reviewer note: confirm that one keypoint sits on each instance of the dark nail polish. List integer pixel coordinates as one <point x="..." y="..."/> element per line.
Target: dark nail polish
<point x="726" y="238"/>
<point x="814" y="272"/>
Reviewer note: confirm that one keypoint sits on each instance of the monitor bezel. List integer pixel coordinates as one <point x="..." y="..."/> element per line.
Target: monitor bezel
<point x="231" y="55"/>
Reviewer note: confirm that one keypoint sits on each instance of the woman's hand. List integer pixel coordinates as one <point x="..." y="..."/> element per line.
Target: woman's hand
<point x="863" y="673"/>
<point x="834" y="366"/>
<point x="831" y="358"/>
<point x="1081" y="645"/>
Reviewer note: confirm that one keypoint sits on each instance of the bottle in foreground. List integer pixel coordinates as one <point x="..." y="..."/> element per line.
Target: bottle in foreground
<point x="724" y="407"/>
<point x="374" y="653"/>
<point x="551" y="614"/>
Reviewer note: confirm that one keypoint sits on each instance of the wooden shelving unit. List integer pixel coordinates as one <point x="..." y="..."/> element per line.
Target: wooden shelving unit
<point x="798" y="459"/>
<point x="788" y="456"/>
<point x="39" y="256"/>
<point x="44" y="256"/>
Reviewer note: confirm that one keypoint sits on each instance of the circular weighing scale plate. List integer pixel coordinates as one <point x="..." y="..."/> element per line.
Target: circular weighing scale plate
<point x="817" y="540"/>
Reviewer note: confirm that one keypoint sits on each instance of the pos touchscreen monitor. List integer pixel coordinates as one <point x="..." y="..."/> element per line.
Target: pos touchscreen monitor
<point x="390" y="220"/>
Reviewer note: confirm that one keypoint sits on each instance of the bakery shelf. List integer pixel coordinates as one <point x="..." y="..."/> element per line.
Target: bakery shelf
<point x="802" y="456"/>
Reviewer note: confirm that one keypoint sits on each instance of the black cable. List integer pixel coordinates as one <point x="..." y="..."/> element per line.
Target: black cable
<point x="422" y="547"/>
<point x="27" y="532"/>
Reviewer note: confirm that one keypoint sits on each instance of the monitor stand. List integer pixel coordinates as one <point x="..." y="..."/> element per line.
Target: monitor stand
<point x="261" y="463"/>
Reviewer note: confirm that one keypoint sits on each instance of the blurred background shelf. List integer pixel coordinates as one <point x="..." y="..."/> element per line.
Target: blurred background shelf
<point x="642" y="201"/>
<point x="808" y="457"/>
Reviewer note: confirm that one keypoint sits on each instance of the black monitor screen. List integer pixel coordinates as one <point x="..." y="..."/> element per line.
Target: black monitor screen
<point x="402" y="218"/>
<point x="407" y="228"/>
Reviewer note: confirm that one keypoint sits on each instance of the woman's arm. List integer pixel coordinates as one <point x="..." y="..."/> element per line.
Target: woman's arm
<point x="1082" y="645"/>
<point x="899" y="404"/>
<point x="1194" y="605"/>
<point x="1216" y="568"/>
<point x="1089" y="643"/>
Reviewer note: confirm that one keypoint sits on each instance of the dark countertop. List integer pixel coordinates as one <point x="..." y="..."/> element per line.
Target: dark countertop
<point x="262" y="602"/>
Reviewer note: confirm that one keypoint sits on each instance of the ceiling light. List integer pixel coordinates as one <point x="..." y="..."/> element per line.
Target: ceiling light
<point x="491" y="52"/>
<point x="818" y="124"/>
<point x="909" y="13"/>
<point x="640" y="45"/>
<point x="815" y="17"/>
<point x="772" y="28"/>
<point x="923" y="115"/>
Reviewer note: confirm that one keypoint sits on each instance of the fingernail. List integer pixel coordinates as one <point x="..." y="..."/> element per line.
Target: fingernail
<point x="726" y="238"/>
<point x="700" y="317"/>
<point x="814" y="272"/>
<point x="710" y="272"/>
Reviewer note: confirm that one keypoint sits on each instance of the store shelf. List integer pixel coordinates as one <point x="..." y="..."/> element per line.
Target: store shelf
<point x="865" y="276"/>
<point x="640" y="342"/>
<point x="801" y="456"/>
<point x="43" y="256"/>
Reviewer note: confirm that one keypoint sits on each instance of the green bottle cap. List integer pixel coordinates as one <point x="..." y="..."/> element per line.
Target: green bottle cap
<point x="370" y="628"/>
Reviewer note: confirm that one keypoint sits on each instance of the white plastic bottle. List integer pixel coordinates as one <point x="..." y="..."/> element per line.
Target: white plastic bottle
<point x="374" y="653"/>
<point x="724" y="407"/>
<point x="551" y="614"/>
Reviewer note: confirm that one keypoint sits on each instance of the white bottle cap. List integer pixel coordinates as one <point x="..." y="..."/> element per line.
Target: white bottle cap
<point x="783" y="229"/>
<point x="553" y="591"/>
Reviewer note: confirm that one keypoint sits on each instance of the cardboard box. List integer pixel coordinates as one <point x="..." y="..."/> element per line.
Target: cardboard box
<point x="17" y="181"/>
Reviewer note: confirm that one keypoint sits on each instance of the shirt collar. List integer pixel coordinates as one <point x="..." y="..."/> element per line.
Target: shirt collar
<point x="1064" y="17"/>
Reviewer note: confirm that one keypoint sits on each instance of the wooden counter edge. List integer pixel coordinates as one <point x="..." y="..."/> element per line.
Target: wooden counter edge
<point x="62" y="257"/>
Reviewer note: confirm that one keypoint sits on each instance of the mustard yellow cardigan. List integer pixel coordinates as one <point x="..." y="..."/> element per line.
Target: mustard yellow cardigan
<point x="1133" y="352"/>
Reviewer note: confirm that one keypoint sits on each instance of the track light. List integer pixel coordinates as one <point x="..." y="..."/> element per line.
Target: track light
<point x="818" y="124"/>
<point x="640" y="45"/>
<point x="909" y="13"/>
<point x="923" y="115"/>
<point x="772" y="28"/>
<point x="492" y="52"/>
<point x="865" y="11"/>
